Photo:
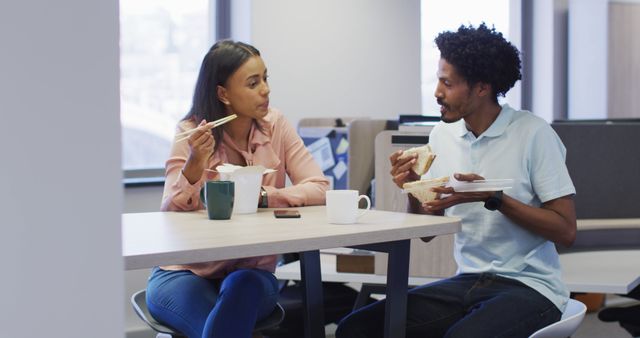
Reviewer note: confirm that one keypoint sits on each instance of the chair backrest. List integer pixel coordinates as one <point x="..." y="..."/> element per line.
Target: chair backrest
<point x="139" y="303"/>
<point x="568" y="323"/>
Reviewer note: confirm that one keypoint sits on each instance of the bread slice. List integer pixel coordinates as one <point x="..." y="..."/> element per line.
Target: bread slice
<point x="425" y="158"/>
<point x="422" y="189"/>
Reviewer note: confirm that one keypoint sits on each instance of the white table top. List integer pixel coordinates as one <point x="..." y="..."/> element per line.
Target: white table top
<point x="615" y="272"/>
<point x="164" y="238"/>
<point x="606" y="271"/>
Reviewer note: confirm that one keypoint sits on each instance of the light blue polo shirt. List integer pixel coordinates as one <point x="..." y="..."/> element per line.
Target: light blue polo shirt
<point x="523" y="147"/>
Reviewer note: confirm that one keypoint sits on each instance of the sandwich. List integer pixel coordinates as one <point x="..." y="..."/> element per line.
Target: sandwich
<point x="421" y="189"/>
<point x="424" y="161"/>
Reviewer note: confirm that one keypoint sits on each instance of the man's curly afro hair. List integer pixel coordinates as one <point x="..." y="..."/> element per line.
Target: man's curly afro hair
<point x="481" y="55"/>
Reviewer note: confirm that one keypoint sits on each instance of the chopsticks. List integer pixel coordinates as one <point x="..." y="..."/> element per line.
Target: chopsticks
<point x="185" y="135"/>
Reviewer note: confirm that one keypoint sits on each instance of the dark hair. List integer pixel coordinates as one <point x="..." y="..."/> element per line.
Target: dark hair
<point x="481" y="55"/>
<point x="222" y="60"/>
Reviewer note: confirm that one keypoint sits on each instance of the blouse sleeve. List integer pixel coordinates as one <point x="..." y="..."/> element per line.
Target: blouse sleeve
<point x="309" y="183"/>
<point x="179" y="194"/>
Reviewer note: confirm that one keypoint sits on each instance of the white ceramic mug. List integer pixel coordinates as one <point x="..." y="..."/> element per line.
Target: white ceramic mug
<point x="342" y="206"/>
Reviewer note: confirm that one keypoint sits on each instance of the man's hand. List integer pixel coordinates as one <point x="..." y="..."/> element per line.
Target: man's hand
<point x="401" y="172"/>
<point x="453" y="198"/>
<point x="554" y="220"/>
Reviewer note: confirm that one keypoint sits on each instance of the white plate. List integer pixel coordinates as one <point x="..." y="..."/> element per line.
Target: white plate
<point x="481" y="185"/>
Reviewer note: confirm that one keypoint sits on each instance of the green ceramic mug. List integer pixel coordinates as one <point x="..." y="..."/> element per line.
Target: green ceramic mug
<point x="218" y="197"/>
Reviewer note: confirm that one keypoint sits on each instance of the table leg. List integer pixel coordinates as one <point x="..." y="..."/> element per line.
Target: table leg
<point x="312" y="299"/>
<point x="397" y="286"/>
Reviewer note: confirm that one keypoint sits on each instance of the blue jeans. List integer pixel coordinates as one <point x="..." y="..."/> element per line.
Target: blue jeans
<point x="467" y="305"/>
<point x="200" y="307"/>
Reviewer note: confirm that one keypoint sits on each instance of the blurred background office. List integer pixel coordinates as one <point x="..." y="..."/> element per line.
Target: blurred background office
<point x="72" y="71"/>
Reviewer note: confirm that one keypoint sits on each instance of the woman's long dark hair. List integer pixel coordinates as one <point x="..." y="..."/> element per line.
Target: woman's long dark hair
<point x="222" y="60"/>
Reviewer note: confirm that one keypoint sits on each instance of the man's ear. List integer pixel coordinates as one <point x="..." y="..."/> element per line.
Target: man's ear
<point x="483" y="89"/>
<point x="222" y="95"/>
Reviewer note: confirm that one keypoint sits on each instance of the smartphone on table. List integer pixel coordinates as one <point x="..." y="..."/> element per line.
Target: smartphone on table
<point x="286" y="213"/>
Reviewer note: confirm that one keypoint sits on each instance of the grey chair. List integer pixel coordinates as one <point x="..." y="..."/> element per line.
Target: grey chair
<point x="139" y="304"/>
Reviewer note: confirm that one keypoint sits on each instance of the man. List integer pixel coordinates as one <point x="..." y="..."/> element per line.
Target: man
<point x="508" y="282"/>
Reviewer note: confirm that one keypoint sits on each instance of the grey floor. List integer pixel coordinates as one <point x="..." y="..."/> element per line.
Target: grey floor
<point x="591" y="326"/>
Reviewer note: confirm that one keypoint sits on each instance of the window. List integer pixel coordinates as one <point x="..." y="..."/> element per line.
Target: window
<point x="162" y="43"/>
<point x="438" y="16"/>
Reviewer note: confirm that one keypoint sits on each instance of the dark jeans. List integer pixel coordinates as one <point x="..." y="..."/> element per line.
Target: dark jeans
<point x="468" y="305"/>
<point x="200" y="307"/>
<point x="338" y="300"/>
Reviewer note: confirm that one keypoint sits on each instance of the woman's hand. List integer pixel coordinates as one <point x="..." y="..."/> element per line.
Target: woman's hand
<point x="455" y="198"/>
<point x="401" y="172"/>
<point x="201" y="144"/>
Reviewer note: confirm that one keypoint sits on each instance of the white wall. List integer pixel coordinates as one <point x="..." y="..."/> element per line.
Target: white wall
<point x="62" y="271"/>
<point x="336" y="58"/>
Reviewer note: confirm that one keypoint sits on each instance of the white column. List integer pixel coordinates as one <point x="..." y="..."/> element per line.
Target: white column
<point x="588" y="66"/>
<point x="62" y="271"/>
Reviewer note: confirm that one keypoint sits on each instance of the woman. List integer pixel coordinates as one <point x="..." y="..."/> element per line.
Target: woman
<point x="226" y="298"/>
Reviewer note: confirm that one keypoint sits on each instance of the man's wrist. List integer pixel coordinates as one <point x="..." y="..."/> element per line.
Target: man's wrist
<point x="494" y="202"/>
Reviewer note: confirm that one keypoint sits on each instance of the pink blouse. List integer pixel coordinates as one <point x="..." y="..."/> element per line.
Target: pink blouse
<point x="274" y="145"/>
